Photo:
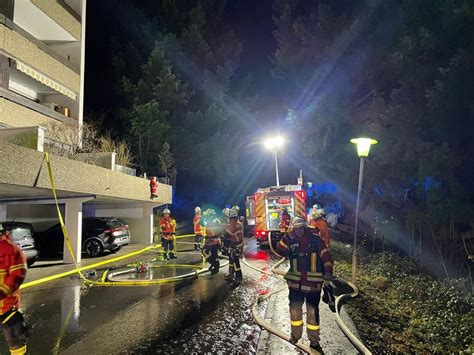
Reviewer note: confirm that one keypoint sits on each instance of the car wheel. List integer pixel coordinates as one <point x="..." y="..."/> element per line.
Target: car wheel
<point x="94" y="248"/>
<point x="116" y="249"/>
<point x="30" y="262"/>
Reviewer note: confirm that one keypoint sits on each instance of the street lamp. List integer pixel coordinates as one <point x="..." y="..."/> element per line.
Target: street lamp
<point x="363" y="149"/>
<point x="274" y="143"/>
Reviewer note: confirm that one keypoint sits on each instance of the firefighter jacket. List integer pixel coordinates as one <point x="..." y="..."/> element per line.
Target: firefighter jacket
<point x="309" y="260"/>
<point x="320" y="226"/>
<point x="234" y="233"/>
<point x="168" y="227"/>
<point x="197" y="225"/>
<point x="213" y="232"/>
<point x="285" y="222"/>
<point x="12" y="273"/>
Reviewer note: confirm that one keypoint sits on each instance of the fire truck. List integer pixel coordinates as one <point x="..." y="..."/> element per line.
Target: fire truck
<point x="269" y="204"/>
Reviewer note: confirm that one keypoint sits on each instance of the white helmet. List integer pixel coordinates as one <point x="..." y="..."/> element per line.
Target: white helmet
<point x="298" y="222"/>
<point x="166" y="211"/>
<point x="236" y="208"/>
<point x="197" y="210"/>
<point x="226" y="211"/>
<point x="322" y="212"/>
<point x="232" y="214"/>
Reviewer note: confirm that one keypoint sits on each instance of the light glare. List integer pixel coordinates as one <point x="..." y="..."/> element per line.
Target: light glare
<point x="363" y="146"/>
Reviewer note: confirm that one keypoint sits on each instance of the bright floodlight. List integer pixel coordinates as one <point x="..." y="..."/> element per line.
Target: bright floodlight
<point x="274" y="142"/>
<point x="363" y="146"/>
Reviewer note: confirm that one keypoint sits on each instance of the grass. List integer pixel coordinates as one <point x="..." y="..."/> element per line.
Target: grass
<point x="402" y="309"/>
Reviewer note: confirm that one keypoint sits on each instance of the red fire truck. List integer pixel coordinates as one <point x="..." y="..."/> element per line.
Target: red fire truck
<point x="269" y="203"/>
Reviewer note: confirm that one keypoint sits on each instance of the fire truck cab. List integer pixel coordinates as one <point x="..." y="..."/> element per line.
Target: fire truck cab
<point x="269" y="204"/>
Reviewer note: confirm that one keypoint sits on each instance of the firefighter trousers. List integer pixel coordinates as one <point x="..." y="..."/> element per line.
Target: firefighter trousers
<point x="210" y="255"/>
<point x="297" y="298"/>
<point x="234" y="264"/>
<point x="168" y="247"/>
<point x="14" y="330"/>
<point x="197" y="241"/>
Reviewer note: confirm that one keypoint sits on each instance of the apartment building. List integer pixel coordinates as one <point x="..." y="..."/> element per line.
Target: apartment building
<point x="42" y="51"/>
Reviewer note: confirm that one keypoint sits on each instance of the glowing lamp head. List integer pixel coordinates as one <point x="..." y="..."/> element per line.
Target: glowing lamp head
<point x="274" y="142"/>
<point x="363" y="146"/>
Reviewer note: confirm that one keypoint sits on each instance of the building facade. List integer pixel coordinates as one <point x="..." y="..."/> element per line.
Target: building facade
<point x="42" y="62"/>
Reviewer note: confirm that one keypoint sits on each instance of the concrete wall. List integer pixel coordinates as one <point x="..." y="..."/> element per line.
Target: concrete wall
<point x="40" y="216"/>
<point x="18" y="47"/>
<point x="75" y="177"/>
<point x="15" y="115"/>
<point x="60" y="15"/>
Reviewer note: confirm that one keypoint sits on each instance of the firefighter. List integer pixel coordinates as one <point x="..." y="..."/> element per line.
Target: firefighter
<point x="310" y="265"/>
<point x="197" y="228"/>
<point x="320" y="225"/>
<point x="13" y="271"/>
<point x="168" y="230"/>
<point x="212" y="240"/>
<point x="285" y="221"/>
<point x="235" y="234"/>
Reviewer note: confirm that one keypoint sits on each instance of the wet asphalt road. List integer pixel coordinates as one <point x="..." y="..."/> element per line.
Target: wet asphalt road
<point x="203" y="315"/>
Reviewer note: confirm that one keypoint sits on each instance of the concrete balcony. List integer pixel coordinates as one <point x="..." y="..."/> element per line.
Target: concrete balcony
<point x="18" y="45"/>
<point x="71" y="178"/>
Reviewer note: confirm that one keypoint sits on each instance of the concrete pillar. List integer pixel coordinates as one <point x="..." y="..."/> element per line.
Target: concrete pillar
<point x="3" y="213"/>
<point x="73" y="222"/>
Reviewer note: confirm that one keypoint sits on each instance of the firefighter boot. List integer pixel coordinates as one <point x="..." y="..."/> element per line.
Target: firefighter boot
<point x="230" y="276"/>
<point x="316" y="346"/>
<point x="215" y="267"/>
<point x="238" y="279"/>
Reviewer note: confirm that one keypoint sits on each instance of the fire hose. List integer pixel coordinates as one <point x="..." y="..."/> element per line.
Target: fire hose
<point x="198" y="269"/>
<point x="338" y="303"/>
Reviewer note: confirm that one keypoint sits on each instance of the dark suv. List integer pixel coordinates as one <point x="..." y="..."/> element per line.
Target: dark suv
<point x="22" y="234"/>
<point x="98" y="234"/>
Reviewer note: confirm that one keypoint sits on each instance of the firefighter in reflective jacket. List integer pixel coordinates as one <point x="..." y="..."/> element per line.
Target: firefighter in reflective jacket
<point x="12" y="274"/>
<point x="212" y="240"/>
<point x="234" y="233"/>
<point x="168" y="230"/>
<point x="319" y="224"/>
<point x="197" y="228"/>
<point x="310" y="265"/>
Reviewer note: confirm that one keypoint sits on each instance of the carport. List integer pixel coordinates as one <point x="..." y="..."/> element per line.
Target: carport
<point x="83" y="190"/>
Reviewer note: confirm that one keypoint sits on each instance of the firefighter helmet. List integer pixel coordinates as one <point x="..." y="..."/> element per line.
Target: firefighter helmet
<point x="298" y="222"/>
<point x="236" y="208"/>
<point x="322" y="212"/>
<point x="166" y="211"/>
<point x="226" y="211"/>
<point x="197" y="210"/>
<point x="233" y="214"/>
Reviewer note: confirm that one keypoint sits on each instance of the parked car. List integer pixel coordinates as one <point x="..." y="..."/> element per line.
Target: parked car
<point x="22" y="234"/>
<point x="98" y="234"/>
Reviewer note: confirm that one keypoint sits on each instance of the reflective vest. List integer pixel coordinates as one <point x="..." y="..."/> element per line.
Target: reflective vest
<point x="213" y="232"/>
<point x="321" y="227"/>
<point x="168" y="227"/>
<point x="12" y="273"/>
<point x="309" y="259"/>
<point x="235" y="234"/>
<point x="197" y="226"/>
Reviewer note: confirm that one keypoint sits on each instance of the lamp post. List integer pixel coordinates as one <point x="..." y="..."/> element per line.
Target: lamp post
<point x="363" y="149"/>
<point x="273" y="143"/>
<point x="310" y="193"/>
